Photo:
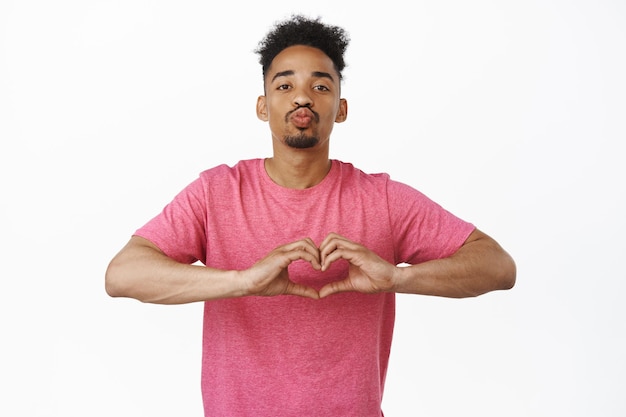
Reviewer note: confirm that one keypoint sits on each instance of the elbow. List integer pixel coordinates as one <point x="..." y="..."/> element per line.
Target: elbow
<point x="120" y="281"/>
<point x="501" y="276"/>
<point x="112" y="289"/>
<point x="510" y="282"/>
<point x="508" y="273"/>
<point x="125" y="275"/>
<point x="114" y="282"/>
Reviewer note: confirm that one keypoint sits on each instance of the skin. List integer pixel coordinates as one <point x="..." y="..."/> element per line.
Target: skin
<point x="301" y="76"/>
<point x="302" y="98"/>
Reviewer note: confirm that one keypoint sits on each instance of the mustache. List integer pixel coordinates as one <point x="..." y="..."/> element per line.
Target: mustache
<point x="315" y="115"/>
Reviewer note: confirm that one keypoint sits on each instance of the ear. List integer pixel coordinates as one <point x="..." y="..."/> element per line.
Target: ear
<point x="342" y="113"/>
<point x="261" y="108"/>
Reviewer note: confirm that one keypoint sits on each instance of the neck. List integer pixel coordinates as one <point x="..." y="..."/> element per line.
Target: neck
<point x="298" y="169"/>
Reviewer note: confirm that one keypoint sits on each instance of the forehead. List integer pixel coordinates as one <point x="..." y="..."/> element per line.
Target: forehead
<point x="301" y="58"/>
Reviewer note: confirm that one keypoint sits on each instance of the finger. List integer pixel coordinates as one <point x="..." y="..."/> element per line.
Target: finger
<point x="285" y="258"/>
<point x="305" y="249"/>
<point x="349" y="254"/>
<point x="333" y="239"/>
<point x="332" y="243"/>
<point x="335" y="287"/>
<point x="302" y="291"/>
<point x="306" y="243"/>
<point x="325" y="253"/>
<point x="329" y="237"/>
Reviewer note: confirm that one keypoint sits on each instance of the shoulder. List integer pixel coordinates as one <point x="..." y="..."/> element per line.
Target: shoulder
<point x="350" y="173"/>
<point x="381" y="185"/>
<point x="380" y="180"/>
<point x="220" y="179"/>
<point x="225" y="173"/>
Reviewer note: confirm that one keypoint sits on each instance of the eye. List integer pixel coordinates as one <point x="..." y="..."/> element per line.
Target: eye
<point x="321" y="88"/>
<point x="283" y="87"/>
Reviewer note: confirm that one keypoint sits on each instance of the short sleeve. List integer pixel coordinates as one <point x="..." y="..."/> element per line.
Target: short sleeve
<point x="422" y="229"/>
<point x="180" y="229"/>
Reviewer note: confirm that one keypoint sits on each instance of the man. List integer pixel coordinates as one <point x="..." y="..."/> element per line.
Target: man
<point x="301" y="252"/>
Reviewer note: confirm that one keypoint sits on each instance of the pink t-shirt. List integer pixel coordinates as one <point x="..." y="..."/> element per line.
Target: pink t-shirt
<point x="287" y="355"/>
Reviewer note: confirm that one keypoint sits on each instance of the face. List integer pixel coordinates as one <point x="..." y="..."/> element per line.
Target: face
<point x="302" y="101"/>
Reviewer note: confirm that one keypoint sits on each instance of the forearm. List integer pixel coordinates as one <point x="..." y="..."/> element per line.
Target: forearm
<point x="146" y="274"/>
<point x="478" y="267"/>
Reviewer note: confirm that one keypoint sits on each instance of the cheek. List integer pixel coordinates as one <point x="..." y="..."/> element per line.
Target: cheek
<point x="329" y="118"/>
<point x="275" y="111"/>
<point x="276" y="119"/>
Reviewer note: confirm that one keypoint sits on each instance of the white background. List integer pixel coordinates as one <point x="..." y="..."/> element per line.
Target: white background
<point x="511" y="114"/>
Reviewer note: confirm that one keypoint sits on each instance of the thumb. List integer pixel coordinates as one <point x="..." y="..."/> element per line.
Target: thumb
<point x="335" y="287"/>
<point x="302" y="291"/>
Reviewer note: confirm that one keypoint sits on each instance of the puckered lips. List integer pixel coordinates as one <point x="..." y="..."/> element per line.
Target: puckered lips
<point x="302" y="117"/>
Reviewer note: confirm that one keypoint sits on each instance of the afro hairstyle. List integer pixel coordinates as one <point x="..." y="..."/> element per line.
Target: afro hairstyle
<point x="300" y="30"/>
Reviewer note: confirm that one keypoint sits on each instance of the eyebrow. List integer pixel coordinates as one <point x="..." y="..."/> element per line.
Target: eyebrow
<point x="318" y="74"/>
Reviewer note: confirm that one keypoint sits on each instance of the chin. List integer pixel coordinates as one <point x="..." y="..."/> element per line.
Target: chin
<point x="301" y="141"/>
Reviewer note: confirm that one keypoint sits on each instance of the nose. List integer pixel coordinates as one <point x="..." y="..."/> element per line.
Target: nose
<point x="302" y="98"/>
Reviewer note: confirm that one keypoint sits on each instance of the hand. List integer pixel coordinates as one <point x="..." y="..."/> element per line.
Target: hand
<point x="367" y="273"/>
<point x="269" y="276"/>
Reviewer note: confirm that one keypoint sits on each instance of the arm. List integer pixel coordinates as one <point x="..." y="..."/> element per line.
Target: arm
<point x="142" y="271"/>
<point x="480" y="265"/>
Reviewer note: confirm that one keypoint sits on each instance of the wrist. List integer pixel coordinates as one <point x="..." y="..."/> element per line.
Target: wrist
<point x="241" y="285"/>
<point x="400" y="278"/>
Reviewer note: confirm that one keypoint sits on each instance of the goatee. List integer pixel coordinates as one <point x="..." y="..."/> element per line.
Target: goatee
<point x="301" y="141"/>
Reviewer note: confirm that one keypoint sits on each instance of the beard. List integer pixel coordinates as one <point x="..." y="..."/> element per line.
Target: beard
<point x="301" y="141"/>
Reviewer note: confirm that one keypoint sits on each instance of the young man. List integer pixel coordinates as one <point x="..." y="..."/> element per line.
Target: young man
<point x="301" y="252"/>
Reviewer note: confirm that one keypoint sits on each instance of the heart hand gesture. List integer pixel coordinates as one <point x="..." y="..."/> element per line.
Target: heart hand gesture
<point x="367" y="273"/>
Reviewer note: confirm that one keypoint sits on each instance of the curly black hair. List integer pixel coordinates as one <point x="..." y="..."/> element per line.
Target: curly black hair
<point x="300" y="30"/>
